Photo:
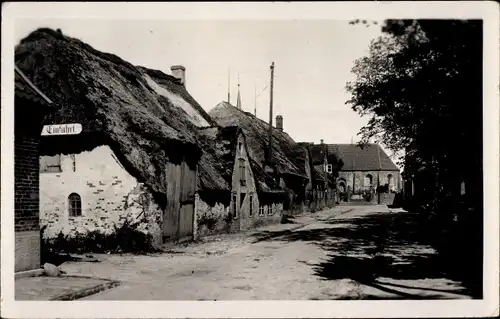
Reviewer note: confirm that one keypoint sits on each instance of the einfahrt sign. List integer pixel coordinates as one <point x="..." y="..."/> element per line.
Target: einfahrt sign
<point x="62" y="129"/>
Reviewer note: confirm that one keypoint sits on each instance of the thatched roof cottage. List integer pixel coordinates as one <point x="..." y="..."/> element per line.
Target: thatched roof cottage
<point x="291" y="159"/>
<point x="135" y="162"/>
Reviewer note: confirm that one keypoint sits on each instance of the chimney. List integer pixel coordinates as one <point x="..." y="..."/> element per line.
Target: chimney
<point x="178" y="71"/>
<point x="279" y="122"/>
<point x="321" y="141"/>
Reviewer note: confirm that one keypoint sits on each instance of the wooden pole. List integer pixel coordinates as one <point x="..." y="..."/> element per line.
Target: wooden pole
<point x="254" y="101"/>
<point x="270" y="152"/>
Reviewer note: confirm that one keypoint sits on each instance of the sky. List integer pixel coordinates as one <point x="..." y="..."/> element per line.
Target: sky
<point x="313" y="61"/>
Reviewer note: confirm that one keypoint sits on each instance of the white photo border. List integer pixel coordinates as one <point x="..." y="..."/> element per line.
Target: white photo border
<point x="369" y="10"/>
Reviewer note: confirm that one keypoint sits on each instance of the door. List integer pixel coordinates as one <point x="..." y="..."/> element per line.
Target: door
<point x="186" y="207"/>
<point x="178" y="219"/>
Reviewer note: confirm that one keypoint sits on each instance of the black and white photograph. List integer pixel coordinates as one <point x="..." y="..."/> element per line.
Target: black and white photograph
<point x="340" y="155"/>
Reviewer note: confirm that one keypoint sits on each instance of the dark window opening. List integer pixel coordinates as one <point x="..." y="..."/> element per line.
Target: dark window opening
<point x="50" y="164"/>
<point x="242" y="167"/>
<point x="250" y="206"/>
<point x="235" y="206"/>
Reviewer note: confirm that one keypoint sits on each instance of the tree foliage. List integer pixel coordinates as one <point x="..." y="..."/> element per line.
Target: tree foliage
<point x="421" y="87"/>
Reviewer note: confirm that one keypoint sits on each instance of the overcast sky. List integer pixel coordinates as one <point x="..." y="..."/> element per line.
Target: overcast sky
<point x="312" y="59"/>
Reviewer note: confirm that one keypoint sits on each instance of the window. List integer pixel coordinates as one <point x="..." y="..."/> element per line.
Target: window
<point x="75" y="205"/>
<point x="389" y="180"/>
<point x="261" y="210"/>
<point x="240" y="146"/>
<point x="242" y="172"/>
<point x="270" y="210"/>
<point x="329" y="168"/>
<point x="342" y="187"/>
<point x="250" y="206"/>
<point x="50" y="164"/>
<point x="235" y="206"/>
<point x="368" y="180"/>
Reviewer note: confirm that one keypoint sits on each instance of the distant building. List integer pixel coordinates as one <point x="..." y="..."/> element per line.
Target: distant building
<point x="364" y="171"/>
<point x="326" y="168"/>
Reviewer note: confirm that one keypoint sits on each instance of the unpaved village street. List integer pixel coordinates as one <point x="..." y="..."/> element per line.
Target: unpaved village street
<point x="348" y="252"/>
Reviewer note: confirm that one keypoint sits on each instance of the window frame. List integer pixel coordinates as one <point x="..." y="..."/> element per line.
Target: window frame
<point x="51" y="168"/>
<point x="74" y="211"/>
<point x="368" y="177"/>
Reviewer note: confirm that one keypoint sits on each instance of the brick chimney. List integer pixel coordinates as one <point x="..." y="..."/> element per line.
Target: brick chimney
<point x="321" y="141"/>
<point x="279" y="122"/>
<point x="178" y="71"/>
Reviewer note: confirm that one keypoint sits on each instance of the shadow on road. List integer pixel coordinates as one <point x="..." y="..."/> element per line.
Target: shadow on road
<point x="384" y="245"/>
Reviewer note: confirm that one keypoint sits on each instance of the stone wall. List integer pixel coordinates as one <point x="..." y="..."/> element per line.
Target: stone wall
<point x="387" y="198"/>
<point x="109" y="196"/>
<point x="211" y="220"/>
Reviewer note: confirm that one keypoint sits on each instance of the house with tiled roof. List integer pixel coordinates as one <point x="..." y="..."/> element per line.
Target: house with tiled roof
<point x="365" y="168"/>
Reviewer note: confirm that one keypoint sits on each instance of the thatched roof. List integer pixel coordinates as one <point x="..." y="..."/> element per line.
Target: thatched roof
<point x="219" y="145"/>
<point x="116" y="105"/>
<point x="288" y="156"/>
<point x="177" y="95"/>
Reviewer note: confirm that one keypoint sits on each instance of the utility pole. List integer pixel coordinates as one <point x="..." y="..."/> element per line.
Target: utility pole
<point x="254" y="101"/>
<point x="378" y="176"/>
<point x="271" y="116"/>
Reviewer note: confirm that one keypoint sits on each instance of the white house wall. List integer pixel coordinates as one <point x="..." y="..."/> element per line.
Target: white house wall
<point x="249" y="220"/>
<point x="109" y="196"/>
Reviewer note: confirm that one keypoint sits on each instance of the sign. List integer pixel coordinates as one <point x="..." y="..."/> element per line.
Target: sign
<point x="62" y="129"/>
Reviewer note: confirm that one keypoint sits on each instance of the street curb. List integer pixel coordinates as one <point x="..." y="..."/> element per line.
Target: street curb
<point x="28" y="273"/>
<point x="87" y="291"/>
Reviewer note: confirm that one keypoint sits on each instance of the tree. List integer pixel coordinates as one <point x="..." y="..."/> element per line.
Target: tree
<point x="421" y="86"/>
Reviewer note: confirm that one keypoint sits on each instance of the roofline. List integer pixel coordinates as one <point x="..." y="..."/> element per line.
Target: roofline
<point x="31" y="85"/>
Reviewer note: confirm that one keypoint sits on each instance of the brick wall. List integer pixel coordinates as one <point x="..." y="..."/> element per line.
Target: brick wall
<point x="109" y="195"/>
<point x="26" y="198"/>
<point x="26" y="202"/>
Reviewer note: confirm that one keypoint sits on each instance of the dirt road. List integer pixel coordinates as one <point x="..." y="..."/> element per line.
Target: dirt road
<point x="362" y="252"/>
